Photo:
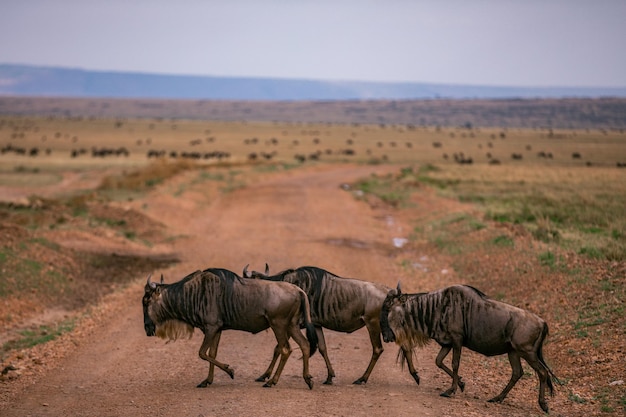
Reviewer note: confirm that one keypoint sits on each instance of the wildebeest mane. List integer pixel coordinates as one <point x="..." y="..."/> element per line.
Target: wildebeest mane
<point x="194" y="291"/>
<point x="477" y="291"/>
<point x="227" y="281"/>
<point x="312" y="279"/>
<point x="174" y="294"/>
<point x="224" y="274"/>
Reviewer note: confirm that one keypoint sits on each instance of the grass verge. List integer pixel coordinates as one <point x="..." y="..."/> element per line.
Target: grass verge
<point x="34" y="336"/>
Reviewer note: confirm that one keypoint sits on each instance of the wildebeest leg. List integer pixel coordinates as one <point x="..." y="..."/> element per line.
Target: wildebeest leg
<point x="209" y="337"/>
<point x="294" y="332"/>
<point x="321" y="345"/>
<point x="213" y="354"/>
<point x="516" y="367"/>
<point x="408" y="356"/>
<point x="268" y="372"/>
<point x="542" y="374"/>
<point x="373" y="328"/>
<point x="285" y="350"/>
<point x="439" y="361"/>
<point x="456" y="361"/>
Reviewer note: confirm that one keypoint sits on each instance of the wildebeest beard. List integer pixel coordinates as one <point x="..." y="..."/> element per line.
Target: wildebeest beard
<point x="172" y="330"/>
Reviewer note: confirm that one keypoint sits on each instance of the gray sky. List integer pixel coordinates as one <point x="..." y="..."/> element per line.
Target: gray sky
<point x="577" y="43"/>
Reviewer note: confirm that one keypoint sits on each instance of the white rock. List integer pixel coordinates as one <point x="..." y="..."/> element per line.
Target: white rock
<point x="399" y="242"/>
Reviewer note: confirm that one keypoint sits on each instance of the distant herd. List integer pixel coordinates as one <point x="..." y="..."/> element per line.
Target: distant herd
<point x="104" y="152"/>
<point x="312" y="298"/>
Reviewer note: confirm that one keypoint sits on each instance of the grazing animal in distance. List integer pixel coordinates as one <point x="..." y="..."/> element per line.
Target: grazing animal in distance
<point x="339" y="304"/>
<point x="216" y="299"/>
<point x="460" y="316"/>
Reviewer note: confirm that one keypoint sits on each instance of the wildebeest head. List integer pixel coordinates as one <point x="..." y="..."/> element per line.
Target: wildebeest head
<point x="152" y="292"/>
<point x="255" y="274"/>
<point x="394" y="299"/>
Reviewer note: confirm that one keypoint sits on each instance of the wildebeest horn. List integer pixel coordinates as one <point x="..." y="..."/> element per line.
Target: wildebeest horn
<point x="399" y="289"/>
<point x="161" y="279"/>
<point x="267" y="269"/>
<point x="150" y="283"/>
<point x="245" y="273"/>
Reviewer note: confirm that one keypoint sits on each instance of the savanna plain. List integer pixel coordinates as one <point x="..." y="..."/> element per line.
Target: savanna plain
<point x="90" y="206"/>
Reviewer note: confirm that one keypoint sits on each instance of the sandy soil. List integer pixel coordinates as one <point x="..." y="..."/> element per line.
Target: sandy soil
<point x="287" y="219"/>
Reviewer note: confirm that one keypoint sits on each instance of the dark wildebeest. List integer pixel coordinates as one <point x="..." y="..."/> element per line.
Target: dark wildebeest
<point x="339" y="304"/>
<point x="460" y="316"/>
<point x="216" y="299"/>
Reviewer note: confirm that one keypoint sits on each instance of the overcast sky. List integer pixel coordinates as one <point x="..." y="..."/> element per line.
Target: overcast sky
<point x="481" y="42"/>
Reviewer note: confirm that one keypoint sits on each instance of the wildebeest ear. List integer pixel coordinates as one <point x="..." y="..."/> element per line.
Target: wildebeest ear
<point x="267" y="269"/>
<point x="398" y="289"/>
<point x="161" y="279"/>
<point x="245" y="272"/>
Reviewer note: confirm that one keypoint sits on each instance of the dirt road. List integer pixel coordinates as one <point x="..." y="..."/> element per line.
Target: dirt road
<point x="289" y="219"/>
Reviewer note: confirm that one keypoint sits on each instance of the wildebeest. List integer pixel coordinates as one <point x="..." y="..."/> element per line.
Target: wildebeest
<point x="339" y="304"/>
<point x="216" y="299"/>
<point x="460" y="316"/>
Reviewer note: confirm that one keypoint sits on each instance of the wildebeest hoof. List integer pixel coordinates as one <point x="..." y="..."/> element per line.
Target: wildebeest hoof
<point x="447" y="393"/>
<point x="461" y="385"/>
<point x="329" y="381"/>
<point x="544" y="406"/>
<point x="268" y="384"/>
<point x="360" y="381"/>
<point x="203" y="384"/>
<point x="416" y="377"/>
<point x="497" y="399"/>
<point x="262" y="378"/>
<point x="230" y="372"/>
<point x="309" y="381"/>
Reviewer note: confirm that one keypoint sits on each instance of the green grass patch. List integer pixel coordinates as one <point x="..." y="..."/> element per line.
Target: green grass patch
<point x="210" y="176"/>
<point x="130" y="235"/>
<point x="592" y="252"/>
<point x="556" y="205"/>
<point x="27" y="276"/>
<point x="548" y="259"/>
<point x="45" y="242"/>
<point x="476" y="225"/>
<point x="392" y="190"/>
<point x="576" y="398"/>
<point x="448" y="245"/>
<point x="503" y="240"/>
<point x="38" y="335"/>
<point x="112" y="222"/>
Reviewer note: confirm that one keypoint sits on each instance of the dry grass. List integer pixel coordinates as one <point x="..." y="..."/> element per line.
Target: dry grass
<point x="582" y="209"/>
<point x="56" y="138"/>
<point x="144" y="178"/>
<point x="578" y="201"/>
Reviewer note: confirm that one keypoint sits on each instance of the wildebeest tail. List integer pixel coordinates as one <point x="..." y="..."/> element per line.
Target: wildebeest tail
<point x="311" y="334"/>
<point x="551" y="375"/>
<point x="401" y="356"/>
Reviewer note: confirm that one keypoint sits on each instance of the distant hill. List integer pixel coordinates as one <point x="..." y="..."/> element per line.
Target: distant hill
<point x="23" y="80"/>
<point x="570" y="113"/>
